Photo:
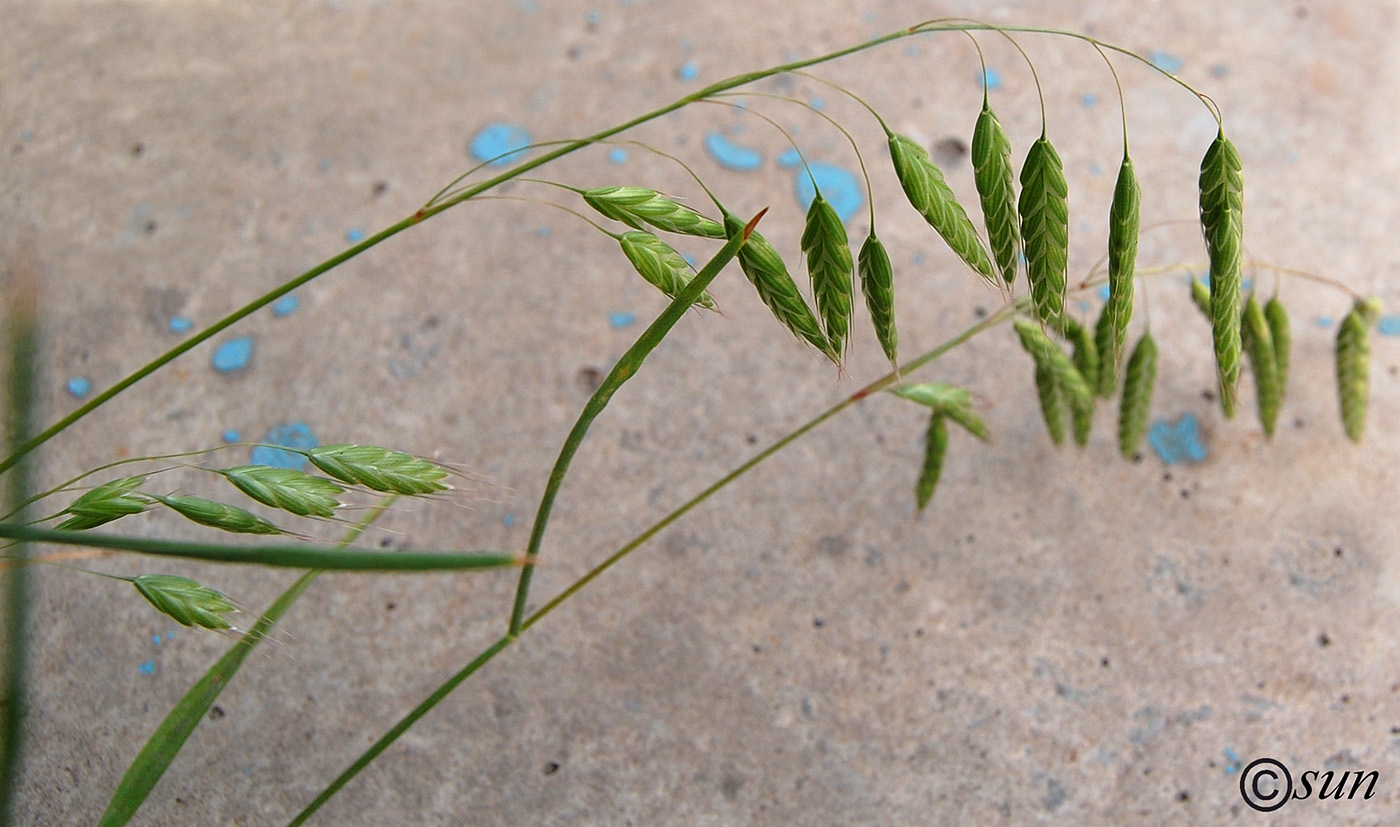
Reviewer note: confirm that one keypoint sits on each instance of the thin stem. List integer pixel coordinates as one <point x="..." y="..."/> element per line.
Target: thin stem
<point x="504" y="642"/>
<point x="625" y="369"/>
<point x="21" y="385"/>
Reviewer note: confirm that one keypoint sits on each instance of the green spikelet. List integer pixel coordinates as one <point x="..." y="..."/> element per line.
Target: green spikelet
<point x="1222" y="223"/>
<point x="1354" y="371"/>
<point x="1124" y="220"/>
<point x="935" y="447"/>
<point x="829" y="264"/>
<point x="996" y="187"/>
<point x="769" y="275"/>
<point x="930" y="194"/>
<point x="877" y="283"/>
<point x="1136" y="404"/>
<point x="1258" y="343"/>
<point x="1044" y="209"/>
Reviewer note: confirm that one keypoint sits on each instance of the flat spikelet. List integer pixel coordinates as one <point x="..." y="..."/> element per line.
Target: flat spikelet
<point x="1044" y="208"/>
<point x="1354" y="369"/>
<point x="184" y="600"/>
<point x="1282" y="332"/>
<point x="996" y="187"/>
<point x="1258" y="341"/>
<point x="1048" y="354"/>
<point x="947" y="400"/>
<point x="829" y="264"/>
<point x="1222" y="223"/>
<point x="291" y="490"/>
<point x="659" y="263"/>
<point x="1124" y="220"/>
<point x="935" y="447"/>
<point x="930" y="194"/>
<point x="877" y="283"/>
<point x="635" y="205"/>
<point x="1052" y="403"/>
<point x="769" y="275"/>
<point x="218" y="515"/>
<point x="1136" y="404"/>
<point x="1086" y="350"/>
<point x="379" y="469"/>
<point x="107" y="502"/>
<point x="1105" y="339"/>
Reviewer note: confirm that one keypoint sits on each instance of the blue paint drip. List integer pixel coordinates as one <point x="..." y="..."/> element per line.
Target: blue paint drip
<point x="621" y="320"/>
<point x="355" y="236"/>
<point x="1179" y="442"/>
<point x="499" y="143"/>
<point x="1233" y="762"/>
<point x="79" y="386"/>
<point x="147" y="668"/>
<point x="837" y="184"/>
<point x="732" y="156"/>
<point x="233" y="355"/>
<point x="180" y="324"/>
<point x="286" y="306"/>
<point x="296" y="435"/>
<point x="1389" y="326"/>
<point x="789" y="158"/>
<point x="688" y="71"/>
<point x="1166" y="61"/>
<point x="990" y="79"/>
<point x="618" y="155"/>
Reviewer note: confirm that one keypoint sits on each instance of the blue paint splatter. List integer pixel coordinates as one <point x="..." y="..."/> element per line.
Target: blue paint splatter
<point x="1089" y="100"/>
<point x="1389" y="326"/>
<point x="296" y="435"/>
<point x="1166" y="61"/>
<point x="233" y="354"/>
<point x="286" y="306"/>
<point x="817" y="103"/>
<point x="355" y="236"/>
<point x="147" y="668"/>
<point x="156" y="639"/>
<point x="593" y="17"/>
<point x="231" y="436"/>
<point x="917" y="259"/>
<point x="789" y="158"/>
<point x="1104" y="292"/>
<point x="1219" y="70"/>
<point x="990" y="79"/>
<point x="1179" y="442"/>
<point x="79" y="386"/>
<point x="911" y="50"/>
<point x="542" y="231"/>
<point x="621" y="320"/>
<point x="731" y="155"/>
<point x="688" y="71"/>
<point x="618" y="155"/>
<point x="502" y="142"/>
<point x="180" y="324"/>
<point x="1233" y="762"/>
<point x="1323" y="321"/>
<point x="510" y="520"/>
<point x="838" y="185"/>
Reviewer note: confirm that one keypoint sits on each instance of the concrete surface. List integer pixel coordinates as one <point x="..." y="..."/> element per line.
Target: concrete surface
<point x="1062" y="637"/>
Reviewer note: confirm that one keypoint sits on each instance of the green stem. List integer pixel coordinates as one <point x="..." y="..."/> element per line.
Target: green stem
<point x="504" y="642"/>
<point x="21" y="391"/>
<point x="165" y="743"/>
<point x="625" y="369"/>
<point x="286" y="555"/>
